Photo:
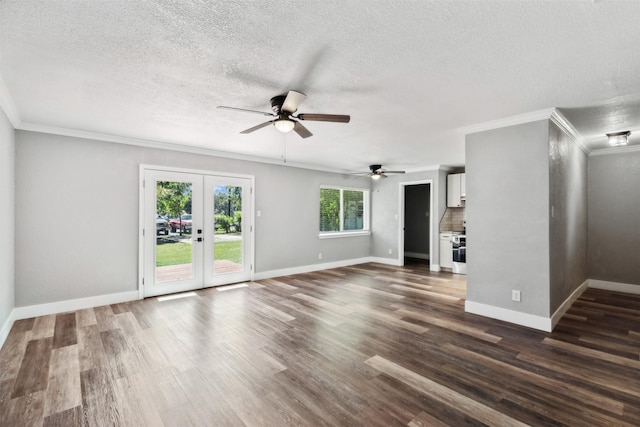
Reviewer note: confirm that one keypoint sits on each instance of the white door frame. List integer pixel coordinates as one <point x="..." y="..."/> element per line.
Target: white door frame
<point x="141" y="210"/>
<point x="401" y="189"/>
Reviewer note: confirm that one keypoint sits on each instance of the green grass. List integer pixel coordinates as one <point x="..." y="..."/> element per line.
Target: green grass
<point x="180" y="253"/>
<point x="231" y="251"/>
<point x="173" y="254"/>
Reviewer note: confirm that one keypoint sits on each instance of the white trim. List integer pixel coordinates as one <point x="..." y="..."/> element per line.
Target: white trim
<point x="309" y="268"/>
<point x="566" y="126"/>
<point x="74" y="304"/>
<point x="335" y="234"/>
<point x="615" y="150"/>
<point x="6" y="328"/>
<point x="9" y="107"/>
<point x="627" y="288"/>
<point x="96" y="136"/>
<point x="434" y="267"/>
<point x="431" y="168"/>
<point x="566" y="305"/>
<point x="387" y="261"/>
<point x="509" y="121"/>
<point x="511" y="316"/>
<point x="141" y="196"/>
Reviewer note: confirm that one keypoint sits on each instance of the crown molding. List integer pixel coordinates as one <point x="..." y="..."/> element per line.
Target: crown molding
<point x="561" y="121"/>
<point x="615" y="150"/>
<point x="8" y="106"/>
<point x="509" y="121"/>
<point x="431" y="168"/>
<point x="96" y="136"/>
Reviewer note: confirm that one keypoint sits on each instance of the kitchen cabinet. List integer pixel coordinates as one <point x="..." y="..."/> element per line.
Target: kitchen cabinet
<point x="446" y="251"/>
<point x="456" y="190"/>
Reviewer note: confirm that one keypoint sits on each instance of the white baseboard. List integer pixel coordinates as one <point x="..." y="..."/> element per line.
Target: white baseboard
<point x="435" y="267"/>
<point x="511" y="316"/>
<point x="416" y="255"/>
<point x="387" y="261"/>
<point x="74" y="304"/>
<point x="566" y="305"/>
<point x="309" y="268"/>
<point x="626" y="288"/>
<point x="8" y="324"/>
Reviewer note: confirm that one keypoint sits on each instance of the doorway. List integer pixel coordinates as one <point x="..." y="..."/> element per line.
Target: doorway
<point x="416" y="227"/>
<point x="196" y="230"/>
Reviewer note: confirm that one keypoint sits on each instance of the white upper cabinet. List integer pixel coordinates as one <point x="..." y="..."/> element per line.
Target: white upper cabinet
<point x="456" y="190"/>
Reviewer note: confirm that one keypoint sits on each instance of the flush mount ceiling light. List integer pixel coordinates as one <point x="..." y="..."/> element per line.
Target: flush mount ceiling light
<point x="284" y="125"/>
<point x="618" y="138"/>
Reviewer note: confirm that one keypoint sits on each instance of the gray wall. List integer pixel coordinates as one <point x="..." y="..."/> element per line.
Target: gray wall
<point x="385" y="199"/>
<point x="416" y="202"/>
<point x="614" y="217"/>
<point x="507" y="212"/>
<point x="7" y="193"/>
<point x="568" y="225"/>
<point x="77" y="210"/>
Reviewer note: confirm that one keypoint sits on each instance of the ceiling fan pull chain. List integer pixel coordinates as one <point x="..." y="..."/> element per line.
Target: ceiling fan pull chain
<point x="284" y="148"/>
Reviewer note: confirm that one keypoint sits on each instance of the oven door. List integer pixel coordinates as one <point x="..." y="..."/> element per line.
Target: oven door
<point x="460" y="254"/>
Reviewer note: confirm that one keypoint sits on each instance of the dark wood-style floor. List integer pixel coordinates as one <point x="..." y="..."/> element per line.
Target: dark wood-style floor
<point x="370" y="345"/>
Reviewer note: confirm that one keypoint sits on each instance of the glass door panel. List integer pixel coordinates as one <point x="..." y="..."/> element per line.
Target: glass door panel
<point x="173" y="207"/>
<point x="227" y="199"/>
<point x="227" y="230"/>
<point x="174" y="252"/>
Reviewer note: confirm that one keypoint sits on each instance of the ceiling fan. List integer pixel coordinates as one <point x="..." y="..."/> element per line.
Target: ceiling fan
<point x="283" y="108"/>
<point x="378" y="172"/>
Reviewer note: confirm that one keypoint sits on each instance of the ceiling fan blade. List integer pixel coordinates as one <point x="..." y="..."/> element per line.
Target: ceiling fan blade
<point x="385" y="171"/>
<point x="260" y="126"/>
<point x="292" y="101"/>
<point x="301" y="130"/>
<point x="336" y="118"/>
<point x="244" y="110"/>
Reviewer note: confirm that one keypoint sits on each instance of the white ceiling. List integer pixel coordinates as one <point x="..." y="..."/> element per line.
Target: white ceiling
<point x="412" y="74"/>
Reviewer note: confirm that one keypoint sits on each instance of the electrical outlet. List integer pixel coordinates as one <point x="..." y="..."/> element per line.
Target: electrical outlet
<point x="390" y="252"/>
<point x="515" y="295"/>
<point x="320" y="255"/>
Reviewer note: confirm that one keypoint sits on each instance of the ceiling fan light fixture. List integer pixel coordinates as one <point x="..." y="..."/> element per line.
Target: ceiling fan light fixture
<point x="375" y="176"/>
<point x="284" y="125"/>
<point x="618" y="138"/>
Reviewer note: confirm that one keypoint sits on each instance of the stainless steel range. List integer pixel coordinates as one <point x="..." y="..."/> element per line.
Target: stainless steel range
<point x="459" y="244"/>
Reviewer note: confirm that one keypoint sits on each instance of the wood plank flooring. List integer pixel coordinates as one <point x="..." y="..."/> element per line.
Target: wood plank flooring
<point x="369" y="345"/>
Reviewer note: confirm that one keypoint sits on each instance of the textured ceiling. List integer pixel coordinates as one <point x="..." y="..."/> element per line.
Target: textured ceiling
<point x="412" y="74"/>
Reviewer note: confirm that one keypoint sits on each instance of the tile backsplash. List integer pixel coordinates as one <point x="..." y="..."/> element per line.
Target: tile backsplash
<point x="452" y="220"/>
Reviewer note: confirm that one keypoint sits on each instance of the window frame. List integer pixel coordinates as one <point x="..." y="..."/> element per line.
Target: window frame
<point x="366" y="213"/>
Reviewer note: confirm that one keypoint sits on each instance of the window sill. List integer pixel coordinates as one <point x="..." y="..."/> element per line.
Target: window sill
<point x="336" y="234"/>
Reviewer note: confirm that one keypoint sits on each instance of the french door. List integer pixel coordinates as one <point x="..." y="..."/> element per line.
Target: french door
<point x="197" y="230"/>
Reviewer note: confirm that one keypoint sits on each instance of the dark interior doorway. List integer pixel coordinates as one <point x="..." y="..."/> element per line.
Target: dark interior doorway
<point x="416" y="221"/>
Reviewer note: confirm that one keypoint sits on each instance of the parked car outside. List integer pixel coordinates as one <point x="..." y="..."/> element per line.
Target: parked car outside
<point x="162" y="226"/>
<point x="186" y="224"/>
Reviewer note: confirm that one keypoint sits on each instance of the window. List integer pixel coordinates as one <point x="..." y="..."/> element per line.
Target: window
<point x="343" y="211"/>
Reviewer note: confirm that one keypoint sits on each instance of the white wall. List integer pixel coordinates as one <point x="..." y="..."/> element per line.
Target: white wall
<point x="77" y="210"/>
<point x="7" y="175"/>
